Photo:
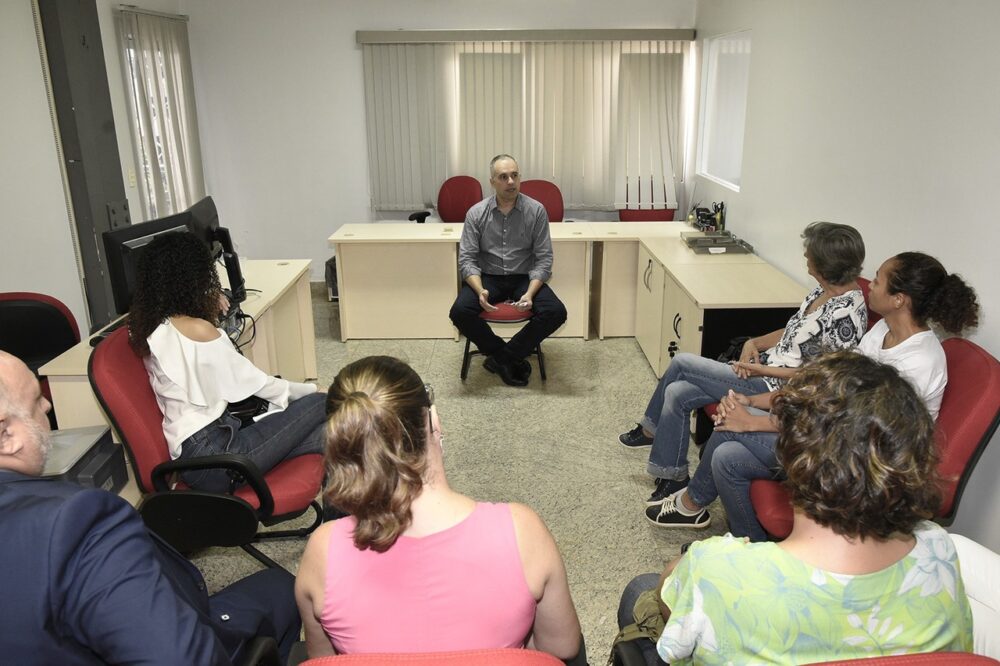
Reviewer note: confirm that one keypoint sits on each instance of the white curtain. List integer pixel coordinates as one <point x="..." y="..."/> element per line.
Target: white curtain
<point x="156" y="63"/>
<point x="600" y="119"/>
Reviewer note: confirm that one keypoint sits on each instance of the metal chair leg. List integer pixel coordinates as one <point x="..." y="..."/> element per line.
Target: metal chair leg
<point x="466" y="360"/>
<point x="541" y="361"/>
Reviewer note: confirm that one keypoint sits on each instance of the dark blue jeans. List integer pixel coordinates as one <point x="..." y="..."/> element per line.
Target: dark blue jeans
<point x="297" y="430"/>
<point x="637" y="586"/>
<point x="689" y="383"/>
<point x="549" y="314"/>
<point x="729" y="462"/>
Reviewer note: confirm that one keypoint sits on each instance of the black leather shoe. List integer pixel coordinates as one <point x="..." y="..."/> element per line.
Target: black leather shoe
<point x="523" y="368"/>
<point x="505" y="370"/>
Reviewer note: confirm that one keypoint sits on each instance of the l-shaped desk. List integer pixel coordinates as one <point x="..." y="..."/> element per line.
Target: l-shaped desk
<point x="398" y="280"/>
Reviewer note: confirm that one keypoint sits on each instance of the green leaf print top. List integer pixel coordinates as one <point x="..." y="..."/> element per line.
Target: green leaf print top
<point x="734" y="602"/>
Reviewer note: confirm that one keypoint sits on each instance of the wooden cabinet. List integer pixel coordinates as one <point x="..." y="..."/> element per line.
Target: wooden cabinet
<point x="681" y="323"/>
<point x="715" y="303"/>
<point x="649" y="307"/>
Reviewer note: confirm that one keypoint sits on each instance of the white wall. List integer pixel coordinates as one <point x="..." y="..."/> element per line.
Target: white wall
<point x="37" y="249"/>
<point x="882" y="115"/>
<point x="281" y="101"/>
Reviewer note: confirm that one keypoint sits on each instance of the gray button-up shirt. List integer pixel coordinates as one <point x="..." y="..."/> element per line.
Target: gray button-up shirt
<point x="515" y="244"/>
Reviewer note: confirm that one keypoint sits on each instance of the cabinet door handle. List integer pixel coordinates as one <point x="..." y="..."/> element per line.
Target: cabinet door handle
<point x="677" y="323"/>
<point x="647" y="274"/>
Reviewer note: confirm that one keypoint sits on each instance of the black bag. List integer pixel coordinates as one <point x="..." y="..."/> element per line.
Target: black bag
<point x="245" y="410"/>
<point x="734" y="350"/>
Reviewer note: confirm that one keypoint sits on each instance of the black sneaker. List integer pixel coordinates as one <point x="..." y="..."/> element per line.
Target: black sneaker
<point x="635" y="439"/>
<point x="664" y="489"/>
<point x="667" y="515"/>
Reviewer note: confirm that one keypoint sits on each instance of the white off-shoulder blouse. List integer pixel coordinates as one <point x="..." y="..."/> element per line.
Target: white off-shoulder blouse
<point x="195" y="381"/>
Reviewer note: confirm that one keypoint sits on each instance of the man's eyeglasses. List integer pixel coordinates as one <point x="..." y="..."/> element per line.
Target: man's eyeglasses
<point x="430" y="394"/>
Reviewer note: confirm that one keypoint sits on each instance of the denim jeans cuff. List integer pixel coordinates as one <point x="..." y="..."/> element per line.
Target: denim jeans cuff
<point x="671" y="473"/>
<point x="648" y="425"/>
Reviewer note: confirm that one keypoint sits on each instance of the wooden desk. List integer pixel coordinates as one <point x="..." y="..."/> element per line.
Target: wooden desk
<point x="616" y="260"/>
<point x="285" y="341"/>
<point x="400" y="280"/>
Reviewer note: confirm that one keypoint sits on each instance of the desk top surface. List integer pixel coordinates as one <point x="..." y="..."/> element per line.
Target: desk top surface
<point x="268" y="279"/>
<point x="757" y="285"/>
<point x="411" y="232"/>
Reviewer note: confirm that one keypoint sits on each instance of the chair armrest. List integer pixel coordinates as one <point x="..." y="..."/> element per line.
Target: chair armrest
<point x="419" y="216"/>
<point x="242" y="465"/>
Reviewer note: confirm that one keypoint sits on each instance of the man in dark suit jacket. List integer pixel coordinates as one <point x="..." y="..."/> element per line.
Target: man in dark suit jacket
<point x="84" y="582"/>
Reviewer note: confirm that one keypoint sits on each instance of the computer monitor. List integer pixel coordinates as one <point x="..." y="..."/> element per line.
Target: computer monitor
<point x="203" y="222"/>
<point x="124" y="246"/>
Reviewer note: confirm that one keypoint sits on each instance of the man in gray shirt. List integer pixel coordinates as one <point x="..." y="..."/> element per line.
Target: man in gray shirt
<point x="506" y="254"/>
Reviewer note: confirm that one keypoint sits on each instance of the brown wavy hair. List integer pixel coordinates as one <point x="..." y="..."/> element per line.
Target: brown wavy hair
<point x="935" y="294"/>
<point x="175" y="276"/>
<point x="857" y="444"/>
<point x="376" y="446"/>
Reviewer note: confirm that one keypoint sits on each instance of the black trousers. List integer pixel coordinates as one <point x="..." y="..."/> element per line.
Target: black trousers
<point x="549" y="314"/>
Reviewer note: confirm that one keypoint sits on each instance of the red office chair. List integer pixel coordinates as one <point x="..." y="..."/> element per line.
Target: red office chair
<point x="36" y="328"/>
<point x="191" y="519"/>
<point x="487" y="657"/>
<point x="457" y="195"/>
<point x="547" y="194"/>
<point x="646" y="215"/>
<point x="505" y="314"/>
<point x="970" y="412"/>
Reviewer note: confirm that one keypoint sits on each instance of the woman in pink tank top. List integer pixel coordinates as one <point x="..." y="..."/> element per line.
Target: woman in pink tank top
<point x="418" y="567"/>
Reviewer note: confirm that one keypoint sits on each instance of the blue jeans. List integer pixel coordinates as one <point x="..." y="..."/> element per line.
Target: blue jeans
<point x="689" y="383"/>
<point x="729" y="462"/>
<point x="295" y="431"/>
<point x="630" y="594"/>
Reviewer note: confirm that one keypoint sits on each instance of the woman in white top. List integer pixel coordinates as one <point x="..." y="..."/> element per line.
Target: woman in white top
<point x="196" y="372"/>
<point x="909" y="291"/>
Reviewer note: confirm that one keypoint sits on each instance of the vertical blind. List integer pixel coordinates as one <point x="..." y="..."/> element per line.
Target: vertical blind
<point x="601" y="119"/>
<point x="156" y="63"/>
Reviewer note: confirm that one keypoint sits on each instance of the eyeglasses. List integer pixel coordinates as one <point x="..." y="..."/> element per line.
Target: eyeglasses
<point x="430" y="403"/>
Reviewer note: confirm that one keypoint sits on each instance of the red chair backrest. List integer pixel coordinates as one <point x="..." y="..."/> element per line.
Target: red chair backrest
<point x="873" y="316"/>
<point x="970" y="412"/>
<point x="488" y="657"/>
<point x="457" y="195"/>
<point x="121" y="385"/>
<point x="547" y="194"/>
<point x="646" y="215"/>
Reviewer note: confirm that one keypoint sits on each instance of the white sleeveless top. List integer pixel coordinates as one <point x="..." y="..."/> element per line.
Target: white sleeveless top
<point x="195" y="381"/>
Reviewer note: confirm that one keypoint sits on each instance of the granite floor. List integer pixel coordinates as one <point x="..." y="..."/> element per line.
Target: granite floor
<point x="551" y="445"/>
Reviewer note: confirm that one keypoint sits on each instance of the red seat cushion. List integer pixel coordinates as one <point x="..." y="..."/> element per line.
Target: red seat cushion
<point x="294" y="484"/>
<point x="505" y="314"/>
<point x="773" y="506"/>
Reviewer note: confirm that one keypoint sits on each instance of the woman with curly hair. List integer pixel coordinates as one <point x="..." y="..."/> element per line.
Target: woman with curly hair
<point x="909" y="291"/>
<point x="417" y="567"/>
<point x="863" y="573"/>
<point x="196" y="371"/>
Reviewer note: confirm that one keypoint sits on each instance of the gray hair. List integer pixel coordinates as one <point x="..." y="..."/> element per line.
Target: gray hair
<point x="836" y="250"/>
<point x="501" y="156"/>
